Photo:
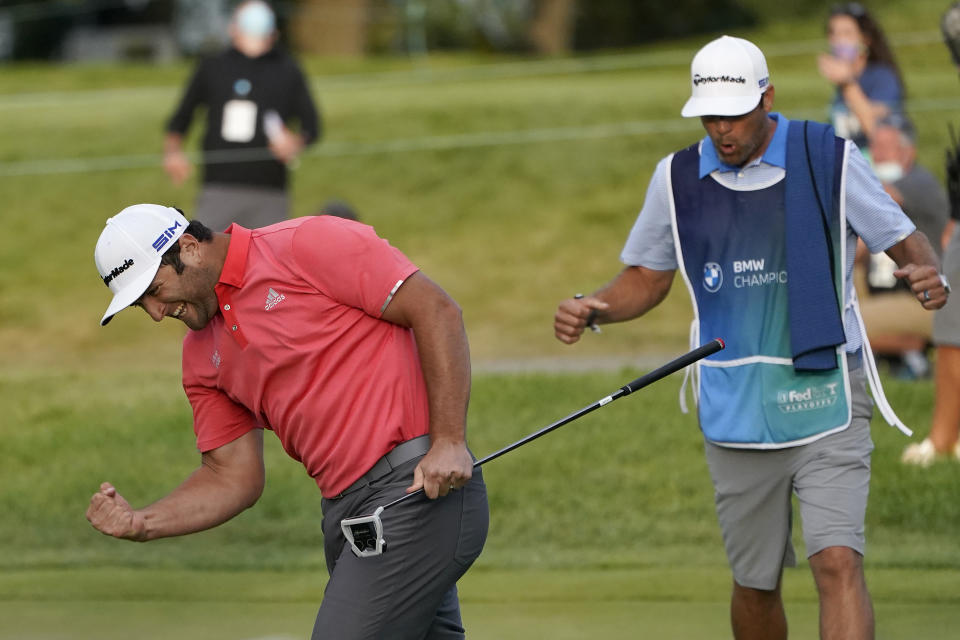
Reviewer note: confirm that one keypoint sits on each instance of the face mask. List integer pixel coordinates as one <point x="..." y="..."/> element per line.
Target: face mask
<point x="888" y="171"/>
<point x="847" y="51"/>
<point x="256" y="20"/>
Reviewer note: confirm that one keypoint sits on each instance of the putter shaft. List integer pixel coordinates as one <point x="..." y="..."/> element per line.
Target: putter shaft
<point x="674" y="365"/>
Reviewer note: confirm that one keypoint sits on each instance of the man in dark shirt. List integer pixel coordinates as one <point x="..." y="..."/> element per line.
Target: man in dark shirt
<point x="250" y="92"/>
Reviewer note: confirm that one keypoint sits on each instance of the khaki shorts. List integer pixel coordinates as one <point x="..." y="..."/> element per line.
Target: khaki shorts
<point x="830" y="477"/>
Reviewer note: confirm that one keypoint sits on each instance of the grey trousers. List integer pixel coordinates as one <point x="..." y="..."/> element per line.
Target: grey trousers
<point x="830" y="478"/>
<point x="410" y="591"/>
<point x="220" y="205"/>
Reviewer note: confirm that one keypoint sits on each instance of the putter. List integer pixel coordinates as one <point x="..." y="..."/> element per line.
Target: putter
<point x="365" y="533"/>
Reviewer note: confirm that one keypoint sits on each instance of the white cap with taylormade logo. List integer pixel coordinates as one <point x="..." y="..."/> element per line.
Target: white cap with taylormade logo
<point x="129" y="250"/>
<point x="728" y="77"/>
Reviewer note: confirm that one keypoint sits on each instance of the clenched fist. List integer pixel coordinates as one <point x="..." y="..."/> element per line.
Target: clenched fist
<point x="111" y="514"/>
<point x="930" y="288"/>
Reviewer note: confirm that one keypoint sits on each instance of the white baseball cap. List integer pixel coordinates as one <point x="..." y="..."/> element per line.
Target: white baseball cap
<point x="129" y="250"/>
<point x="727" y="76"/>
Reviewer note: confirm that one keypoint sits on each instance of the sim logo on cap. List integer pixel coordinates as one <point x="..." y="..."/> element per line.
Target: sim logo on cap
<point x="164" y="237"/>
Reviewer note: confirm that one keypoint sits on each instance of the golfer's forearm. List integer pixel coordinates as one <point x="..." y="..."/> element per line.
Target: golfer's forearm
<point x="437" y="324"/>
<point x="229" y="480"/>
<point x="200" y="503"/>
<point x="635" y="291"/>
<point x="445" y="361"/>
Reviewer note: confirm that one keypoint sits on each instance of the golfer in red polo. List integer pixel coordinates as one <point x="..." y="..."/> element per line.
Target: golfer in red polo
<point x="323" y="333"/>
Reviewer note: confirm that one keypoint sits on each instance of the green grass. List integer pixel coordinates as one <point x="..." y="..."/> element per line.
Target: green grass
<point x="688" y="603"/>
<point x="603" y="529"/>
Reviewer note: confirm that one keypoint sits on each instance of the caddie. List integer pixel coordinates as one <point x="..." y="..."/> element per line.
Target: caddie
<point x="323" y="333"/>
<point x="761" y="218"/>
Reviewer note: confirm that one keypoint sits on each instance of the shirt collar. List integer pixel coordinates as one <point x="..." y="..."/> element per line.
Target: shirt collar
<point x="776" y="153"/>
<point x="235" y="263"/>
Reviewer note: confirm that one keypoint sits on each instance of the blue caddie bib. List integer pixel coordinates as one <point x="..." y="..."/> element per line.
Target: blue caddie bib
<point x="731" y="248"/>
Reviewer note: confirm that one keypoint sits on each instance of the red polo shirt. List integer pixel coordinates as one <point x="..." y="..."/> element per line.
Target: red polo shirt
<point x="298" y="347"/>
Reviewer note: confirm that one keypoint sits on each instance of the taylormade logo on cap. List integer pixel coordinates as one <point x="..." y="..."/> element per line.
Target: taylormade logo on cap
<point x="698" y="79"/>
<point x="129" y="250"/>
<point x="728" y="76"/>
<point x="117" y="271"/>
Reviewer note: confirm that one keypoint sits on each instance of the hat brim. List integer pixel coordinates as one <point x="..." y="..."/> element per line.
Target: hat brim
<point x="126" y="297"/>
<point x="720" y="106"/>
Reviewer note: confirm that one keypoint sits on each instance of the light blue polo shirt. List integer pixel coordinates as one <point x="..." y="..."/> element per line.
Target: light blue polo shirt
<point x="871" y="213"/>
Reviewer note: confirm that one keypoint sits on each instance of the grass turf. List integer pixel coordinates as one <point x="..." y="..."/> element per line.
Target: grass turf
<point x="498" y="604"/>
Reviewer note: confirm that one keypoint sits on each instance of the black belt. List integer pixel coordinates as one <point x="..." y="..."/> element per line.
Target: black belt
<point x="403" y="452"/>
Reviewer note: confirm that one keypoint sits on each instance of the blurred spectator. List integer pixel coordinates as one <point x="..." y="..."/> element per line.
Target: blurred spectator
<point x="339" y="209"/>
<point x="862" y="68"/>
<point x="945" y="428"/>
<point x="250" y="91"/>
<point x="896" y="326"/>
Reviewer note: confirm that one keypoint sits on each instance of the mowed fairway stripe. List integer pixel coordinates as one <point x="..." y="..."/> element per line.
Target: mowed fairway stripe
<point x="334" y="149"/>
<point x="498" y="604"/>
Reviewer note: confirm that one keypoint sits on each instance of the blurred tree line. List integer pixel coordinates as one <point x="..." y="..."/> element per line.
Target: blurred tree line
<point x="544" y="26"/>
<point x="38" y="28"/>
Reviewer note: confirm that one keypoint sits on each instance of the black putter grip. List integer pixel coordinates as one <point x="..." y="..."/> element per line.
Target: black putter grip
<point x="675" y="365"/>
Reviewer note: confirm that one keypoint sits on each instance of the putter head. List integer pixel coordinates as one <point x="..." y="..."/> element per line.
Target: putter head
<point x="365" y="534"/>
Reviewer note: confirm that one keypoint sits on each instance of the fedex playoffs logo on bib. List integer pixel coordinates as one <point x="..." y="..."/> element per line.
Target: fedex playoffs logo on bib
<point x="712" y="277"/>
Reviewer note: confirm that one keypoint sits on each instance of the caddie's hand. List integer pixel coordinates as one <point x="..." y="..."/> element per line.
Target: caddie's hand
<point x="111" y="514"/>
<point x="447" y="466"/>
<point x="572" y="316"/>
<point x="926" y="284"/>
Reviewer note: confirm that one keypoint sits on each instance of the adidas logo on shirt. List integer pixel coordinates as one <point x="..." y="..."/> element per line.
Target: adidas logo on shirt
<point x="273" y="299"/>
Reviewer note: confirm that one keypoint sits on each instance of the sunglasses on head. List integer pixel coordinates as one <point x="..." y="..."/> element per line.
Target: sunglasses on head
<point x="853" y="9"/>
